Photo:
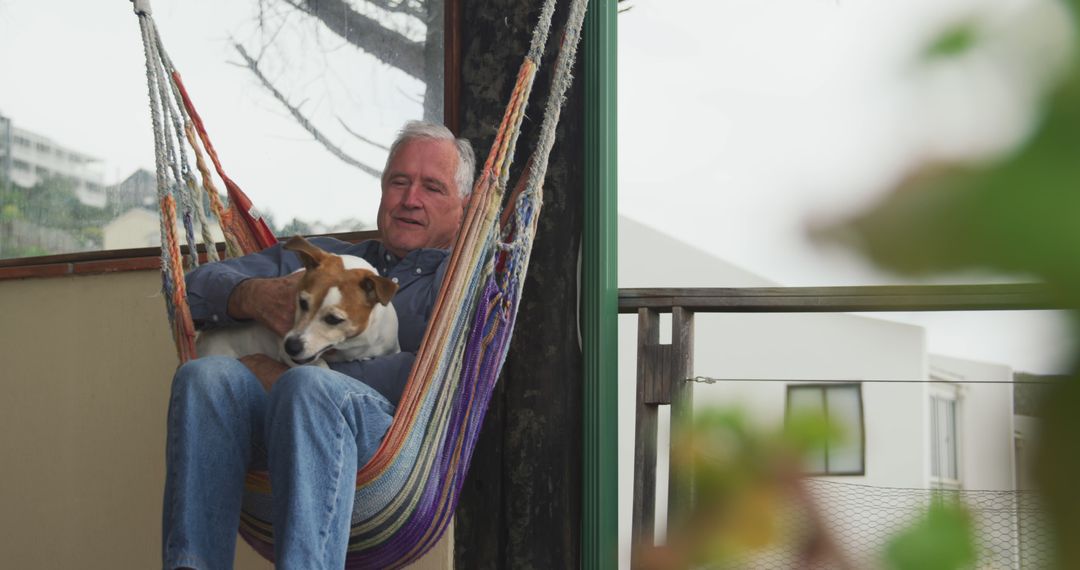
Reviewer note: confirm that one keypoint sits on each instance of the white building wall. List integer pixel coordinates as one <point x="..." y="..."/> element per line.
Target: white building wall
<point x="776" y="346"/>
<point x="34" y="157"/>
<point x="815" y="347"/>
<point x="985" y="429"/>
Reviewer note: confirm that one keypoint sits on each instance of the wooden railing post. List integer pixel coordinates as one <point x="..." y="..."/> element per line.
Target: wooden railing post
<point x="662" y="370"/>
<point x="681" y="485"/>
<point x="645" y="427"/>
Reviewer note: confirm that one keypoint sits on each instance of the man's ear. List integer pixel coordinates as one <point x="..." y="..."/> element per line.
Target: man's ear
<point x="309" y="253"/>
<point x="378" y="289"/>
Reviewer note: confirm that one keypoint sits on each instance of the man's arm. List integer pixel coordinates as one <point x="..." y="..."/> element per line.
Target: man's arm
<point x="210" y="286"/>
<point x="249" y="287"/>
<point x="269" y="300"/>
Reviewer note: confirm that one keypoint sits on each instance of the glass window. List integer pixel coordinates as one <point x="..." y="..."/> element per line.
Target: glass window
<point x="250" y="69"/>
<point x="943" y="454"/>
<point x="841" y="405"/>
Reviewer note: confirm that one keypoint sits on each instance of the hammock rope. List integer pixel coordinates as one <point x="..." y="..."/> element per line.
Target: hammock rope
<point x="177" y="127"/>
<point x="407" y="492"/>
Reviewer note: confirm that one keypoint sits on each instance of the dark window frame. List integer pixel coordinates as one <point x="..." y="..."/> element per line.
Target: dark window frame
<point x="824" y="387"/>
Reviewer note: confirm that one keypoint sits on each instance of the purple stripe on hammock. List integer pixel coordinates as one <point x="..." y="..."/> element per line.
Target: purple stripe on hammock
<point x="479" y="375"/>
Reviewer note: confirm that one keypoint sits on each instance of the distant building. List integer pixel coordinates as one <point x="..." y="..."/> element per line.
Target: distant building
<point x="140" y="227"/>
<point x="949" y="425"/>
<point x="139" y="190"/>
<point x="27" y="158"/>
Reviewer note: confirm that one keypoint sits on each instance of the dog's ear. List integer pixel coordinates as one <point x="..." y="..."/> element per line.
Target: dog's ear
<point x="309" y="253"/>
<point x="378" y="289"/>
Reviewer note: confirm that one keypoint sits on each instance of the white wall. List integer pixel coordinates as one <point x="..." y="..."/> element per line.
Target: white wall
<point x="775" y="346"/>
<point x="985" y="424"/>
<point x="813" y="347"/>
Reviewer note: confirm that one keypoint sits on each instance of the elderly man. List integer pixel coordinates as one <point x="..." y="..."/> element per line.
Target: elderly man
<point x="312" y="428"/>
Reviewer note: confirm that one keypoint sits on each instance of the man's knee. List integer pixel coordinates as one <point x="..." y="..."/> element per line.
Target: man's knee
<point x="301" y="383"/>
<point x="209" y="375"/>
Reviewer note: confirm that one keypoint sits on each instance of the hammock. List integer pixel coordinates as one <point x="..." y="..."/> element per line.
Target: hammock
<point x="407" y="492"/>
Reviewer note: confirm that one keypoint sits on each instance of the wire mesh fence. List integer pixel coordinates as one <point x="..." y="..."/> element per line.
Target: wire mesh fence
<point x="1010" y="531"/>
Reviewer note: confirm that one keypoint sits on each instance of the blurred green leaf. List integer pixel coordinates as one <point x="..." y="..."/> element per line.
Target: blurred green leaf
<point x="954" y="41"/>
<point x="941" y="540"/>
<point x="1018" y="215"/>
<point x="807" y="432"/>
<point x="1057" y="467"/>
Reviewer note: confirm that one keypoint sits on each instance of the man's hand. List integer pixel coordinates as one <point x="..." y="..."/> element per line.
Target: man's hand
<point x="266" y="369"/>
<point x="271" y="301"/>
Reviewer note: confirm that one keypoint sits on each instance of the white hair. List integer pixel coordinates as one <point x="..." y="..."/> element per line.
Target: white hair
<point x="466" y="167"/>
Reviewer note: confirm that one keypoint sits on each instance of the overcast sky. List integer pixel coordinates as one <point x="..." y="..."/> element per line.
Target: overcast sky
<point x="742" y="122"/>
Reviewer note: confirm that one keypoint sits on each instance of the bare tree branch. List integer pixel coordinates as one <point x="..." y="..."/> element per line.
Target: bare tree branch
<point x="281" y="22"/>
<point x="415" y="10"/>
<point x="362" y="137"/>
<point x="300" y="118"/>
<point x="368" y="34"/>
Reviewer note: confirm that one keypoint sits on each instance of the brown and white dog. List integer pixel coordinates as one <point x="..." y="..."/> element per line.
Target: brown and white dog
<point x="343" y="312"/>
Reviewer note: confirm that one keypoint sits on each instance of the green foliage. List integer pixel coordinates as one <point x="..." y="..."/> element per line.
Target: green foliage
<point x="7" y="252"/>
<point x="748" y="481"/>
<point x="1018" y="215"/>
<point x="954" y="41"/>
<point x="941" y="540"/>
<point x="52" y="203"/>
<point x="808" y="432"/>
<point x="9" y="212"/>
<point x="295" y="227"/>
<point x="745" y="479"/>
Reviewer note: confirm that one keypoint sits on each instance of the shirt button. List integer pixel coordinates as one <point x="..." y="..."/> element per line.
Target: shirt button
<point x="394" y="279"/>
<point x="214" y="318"/>
<point x="388" y="257"/>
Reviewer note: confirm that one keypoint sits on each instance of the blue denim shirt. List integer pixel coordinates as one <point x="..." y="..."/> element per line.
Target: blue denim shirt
<point x="418" y="276"/>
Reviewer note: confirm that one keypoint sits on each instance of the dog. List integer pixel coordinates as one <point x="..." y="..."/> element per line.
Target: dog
<point x="343" y="313"/>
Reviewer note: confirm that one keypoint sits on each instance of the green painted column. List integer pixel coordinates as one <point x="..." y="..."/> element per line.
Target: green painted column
<point x="599" y="532"/>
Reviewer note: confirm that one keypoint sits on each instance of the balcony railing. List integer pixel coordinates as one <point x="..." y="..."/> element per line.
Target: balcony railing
<point x="664" y="370"/>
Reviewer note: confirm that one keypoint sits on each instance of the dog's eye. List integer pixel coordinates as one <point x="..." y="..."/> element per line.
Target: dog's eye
<point x="303" y="305"/>
<point x="333" y="320"/>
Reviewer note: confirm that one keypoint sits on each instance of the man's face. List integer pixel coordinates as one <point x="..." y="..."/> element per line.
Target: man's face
<point x="421" y="205"/>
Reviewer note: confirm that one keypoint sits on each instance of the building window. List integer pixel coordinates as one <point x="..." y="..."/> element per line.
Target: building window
<point x="944" y="470"/>
<point x="841" y="405"/>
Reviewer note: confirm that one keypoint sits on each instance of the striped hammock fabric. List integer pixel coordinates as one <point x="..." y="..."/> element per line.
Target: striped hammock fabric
<point x="407" y="493"/>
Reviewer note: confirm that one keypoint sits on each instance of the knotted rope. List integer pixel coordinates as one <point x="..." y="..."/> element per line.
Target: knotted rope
<point x="177" y="126"/>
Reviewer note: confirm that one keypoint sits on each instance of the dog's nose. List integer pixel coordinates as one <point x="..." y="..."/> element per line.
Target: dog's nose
<point x="293" y="346"/>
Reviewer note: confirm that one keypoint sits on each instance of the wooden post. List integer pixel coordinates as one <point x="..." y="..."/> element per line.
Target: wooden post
<point x="645" y="422"/>
<point x="662" y="370"/>
<point x="681" y="488"/>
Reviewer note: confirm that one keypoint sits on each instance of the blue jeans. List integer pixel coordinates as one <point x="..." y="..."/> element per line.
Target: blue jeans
<point x="313" y="431"/>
